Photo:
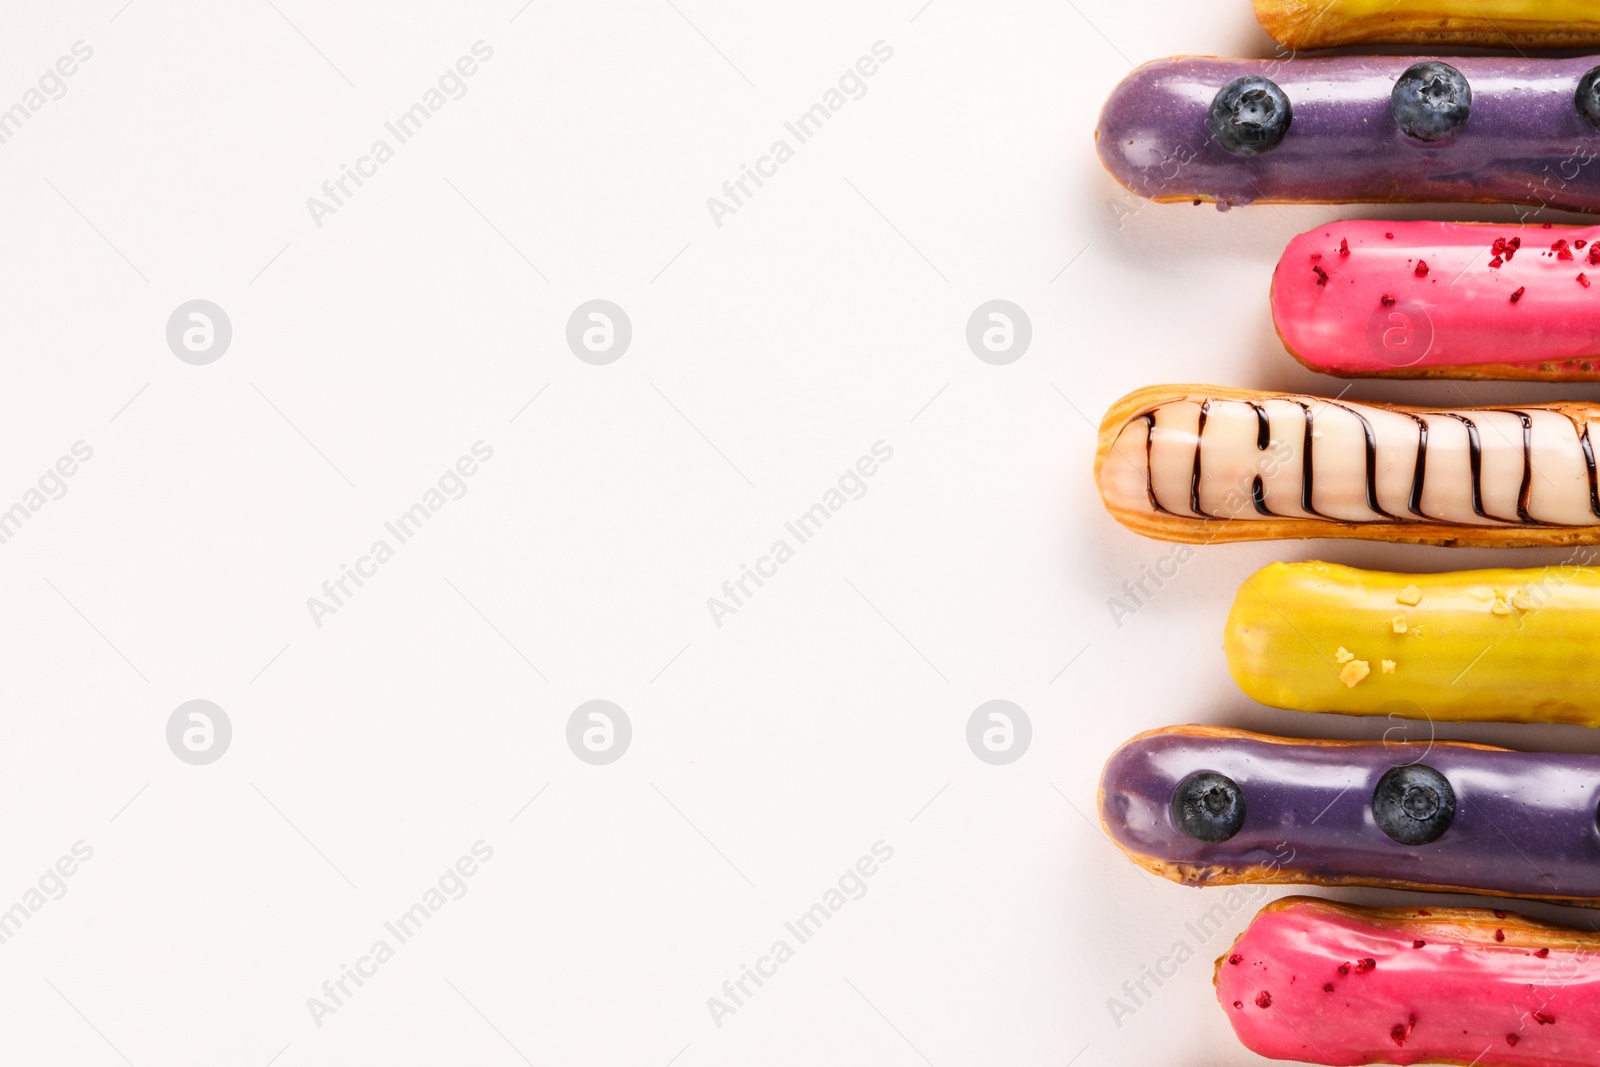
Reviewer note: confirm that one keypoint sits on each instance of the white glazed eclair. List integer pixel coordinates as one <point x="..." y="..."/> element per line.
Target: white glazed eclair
<point x="1203" y="463"/>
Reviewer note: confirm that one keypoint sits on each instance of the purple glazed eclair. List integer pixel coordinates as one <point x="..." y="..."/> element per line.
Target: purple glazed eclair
<point x="1367" y="129"/>
<point x="1210" y="806"/>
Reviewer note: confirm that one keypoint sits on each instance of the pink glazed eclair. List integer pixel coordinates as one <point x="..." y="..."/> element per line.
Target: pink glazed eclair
<point x="1319" y="982"/>
<point x="1374" y="299"/>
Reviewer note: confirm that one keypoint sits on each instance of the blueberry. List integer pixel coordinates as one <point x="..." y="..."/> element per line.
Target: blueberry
<point x="1430" y="102"/>
<point x="1588" y="98"/>
<point x="1208" y="806"/>
<point x="1414" y="804"/>
<point x="1250" y="115"/>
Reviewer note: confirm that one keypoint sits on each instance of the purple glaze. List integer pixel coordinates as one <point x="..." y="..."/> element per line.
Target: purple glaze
<point x="1524" y="824"/>
<point x="1524" y="142"/>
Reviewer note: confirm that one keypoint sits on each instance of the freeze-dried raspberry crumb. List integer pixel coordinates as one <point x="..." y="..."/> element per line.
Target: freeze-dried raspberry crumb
<point x="1263" y="999"/>
<point x="1322" y="275"/>
<point x="1422" y="268"/>
<point x="1516" y="296"/>
<point x="1386" y="300"/>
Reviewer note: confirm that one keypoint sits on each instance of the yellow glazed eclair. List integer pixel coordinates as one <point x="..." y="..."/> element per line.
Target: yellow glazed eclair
<point x="1498" y="645"/>
<point x="1489" y="23"/>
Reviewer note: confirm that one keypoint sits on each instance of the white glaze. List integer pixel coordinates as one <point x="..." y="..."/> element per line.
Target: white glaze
<point x="1554" y="465"/>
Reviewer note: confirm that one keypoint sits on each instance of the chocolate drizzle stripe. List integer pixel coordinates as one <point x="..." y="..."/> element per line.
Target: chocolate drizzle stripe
<point x="1475" y="461"/>
<point x="1372" y="458"/>
<point x="1420" y="473"/>
<point x="1194" y="475"/>
<point x="1258" y="488"/>
<point x="1307" y="467"/>
<point x="1588" y="461"/>
<point x="1149" y="418"/>
<point x="1525" y="490"/>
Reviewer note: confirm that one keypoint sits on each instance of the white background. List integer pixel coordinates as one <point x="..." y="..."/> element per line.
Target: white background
<point x="768" y="754"/>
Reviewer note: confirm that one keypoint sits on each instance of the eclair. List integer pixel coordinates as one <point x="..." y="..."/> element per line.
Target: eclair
<point x="1205" y="805"/>
<point x="1320" y="982"/>
<point x="1306" y="24"/>
<point x="1200" y="463"/>
<point x="1369" y="299"/>
<point x="1357" y="129"/>
<point x="1488" y="645"/>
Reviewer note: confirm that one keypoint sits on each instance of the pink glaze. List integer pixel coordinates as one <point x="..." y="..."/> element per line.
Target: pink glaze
<point x="1349" y="299"/>
<point x="1419" y="986"/>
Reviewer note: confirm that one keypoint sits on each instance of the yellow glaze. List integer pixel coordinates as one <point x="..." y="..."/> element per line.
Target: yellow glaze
<point x="1491" y="23"/>
<point x="1498" y="645"/>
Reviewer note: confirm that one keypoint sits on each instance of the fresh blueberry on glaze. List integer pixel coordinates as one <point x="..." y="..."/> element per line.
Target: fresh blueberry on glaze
<point x="1588" y="98"/>
<point x="1208" y="806"/>
<point x="1430" y="102"/>
<point x="1250" y="115"/>
<point x="1414" y="804"/>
